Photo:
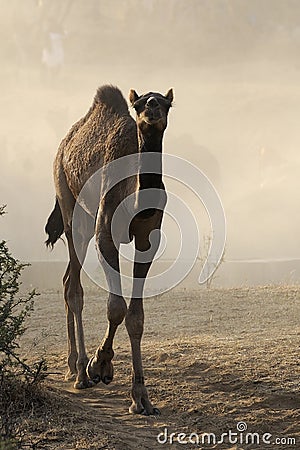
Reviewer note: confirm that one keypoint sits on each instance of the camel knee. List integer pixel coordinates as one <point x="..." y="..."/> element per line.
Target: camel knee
<point x="116" y="309"/>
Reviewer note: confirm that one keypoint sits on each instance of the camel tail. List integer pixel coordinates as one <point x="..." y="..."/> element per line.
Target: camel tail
<point x="112" y="97"/>
<point x="54" y="226"/>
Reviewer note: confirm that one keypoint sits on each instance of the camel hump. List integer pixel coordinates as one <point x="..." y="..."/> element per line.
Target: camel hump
<point x="112" y="97"/>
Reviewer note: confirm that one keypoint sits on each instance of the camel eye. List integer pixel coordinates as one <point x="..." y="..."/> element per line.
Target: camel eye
<point x="138" y="106"/>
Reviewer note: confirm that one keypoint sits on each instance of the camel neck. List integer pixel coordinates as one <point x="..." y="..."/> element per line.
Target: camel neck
<point x="151" y="143"/>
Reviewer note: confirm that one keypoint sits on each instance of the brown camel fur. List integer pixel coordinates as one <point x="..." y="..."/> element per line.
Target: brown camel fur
<point x="106" y="133"/>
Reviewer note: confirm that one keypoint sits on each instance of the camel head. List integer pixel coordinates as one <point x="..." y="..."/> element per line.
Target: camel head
<point x="151" y="110"/>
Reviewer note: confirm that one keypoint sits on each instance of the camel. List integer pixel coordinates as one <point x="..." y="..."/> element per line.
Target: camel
<point x="106" y="133"/>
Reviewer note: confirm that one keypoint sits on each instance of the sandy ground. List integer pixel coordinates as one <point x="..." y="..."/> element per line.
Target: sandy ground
<point x="212" y="358"/>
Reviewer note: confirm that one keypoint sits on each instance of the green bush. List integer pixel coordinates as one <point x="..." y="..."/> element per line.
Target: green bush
<point x="18" y="380"/>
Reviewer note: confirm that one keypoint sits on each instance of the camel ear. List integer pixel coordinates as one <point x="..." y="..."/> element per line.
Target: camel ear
<point x="170" y="96"/>
<point x="133" y="96"/>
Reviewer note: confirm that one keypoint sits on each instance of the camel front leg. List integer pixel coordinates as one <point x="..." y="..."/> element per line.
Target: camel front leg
<point x="135" y="327"/>
<point x="100" y="367"/>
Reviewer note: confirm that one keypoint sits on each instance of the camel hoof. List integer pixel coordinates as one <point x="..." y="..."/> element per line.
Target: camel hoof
<point x="107" y="380"/>
<point x="84" y="384"/>
<point x="156" y="412"/>
<point x="69" y="376"/>
<point x="134" y="409"/>
<point x="95" y="378"/>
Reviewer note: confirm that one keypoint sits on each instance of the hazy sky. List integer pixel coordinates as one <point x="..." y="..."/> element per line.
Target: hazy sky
<point x="234" y="66"/>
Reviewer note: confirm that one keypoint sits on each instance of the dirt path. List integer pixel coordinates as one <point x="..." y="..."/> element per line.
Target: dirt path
<point x="213" y="359"/>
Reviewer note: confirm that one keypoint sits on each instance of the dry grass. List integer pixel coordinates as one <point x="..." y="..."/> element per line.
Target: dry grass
<point x="212" y="358"/>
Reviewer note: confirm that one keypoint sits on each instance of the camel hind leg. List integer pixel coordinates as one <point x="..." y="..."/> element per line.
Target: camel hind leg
<point x="73" y="291"/>
<point x="72" y="348"/>
<point x="78" y="239"/>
